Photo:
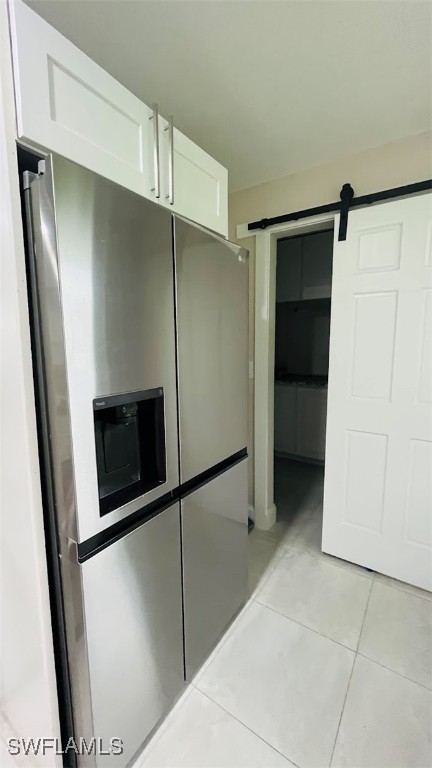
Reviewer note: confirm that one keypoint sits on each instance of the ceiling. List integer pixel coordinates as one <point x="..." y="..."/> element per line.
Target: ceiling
<point x="267" y="87"/>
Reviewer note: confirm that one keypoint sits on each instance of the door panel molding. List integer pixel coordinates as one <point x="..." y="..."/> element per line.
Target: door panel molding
<point x="385" y="397"/>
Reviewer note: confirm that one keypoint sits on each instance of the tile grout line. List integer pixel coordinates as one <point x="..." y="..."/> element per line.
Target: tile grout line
<point x="374" y="576"/>
<point x="347" y="647"/>
<point x="364" y="616"/>
<point x="330" y="561"/>
<point x="336" y="561"/>
<point x="356" y="652"/>
<point x="315" y="631"/>
<point x="342" y="711"/>
<point x="222" y="642"/>
<point x="230" y="714"/>
<point x="252" y="598"/>
<point x="379" y="579"/>
<point x="273" y="564"/>
<point x="280" y="551"/>
<point x="351" y="674"/>
<point x="311" y="508"/>
<point x="150" y="745"/>
<point x="394" y="671"/>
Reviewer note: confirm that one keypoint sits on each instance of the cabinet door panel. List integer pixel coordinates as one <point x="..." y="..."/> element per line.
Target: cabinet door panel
<point x="317" y="258"/>
<point x="311" y="424"/>
<point x="67" y="104"/>
<point x="288" y="270"/>
<point x="377" y="487"/>
<point x="285" y="429"/>
<point x="200" y="185"/>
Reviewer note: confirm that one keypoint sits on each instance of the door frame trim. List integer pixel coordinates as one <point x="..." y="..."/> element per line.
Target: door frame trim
<point x="264" y="356"/>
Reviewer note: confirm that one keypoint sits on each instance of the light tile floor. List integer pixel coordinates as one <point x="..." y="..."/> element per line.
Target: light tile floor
<point x="327" y="665"/>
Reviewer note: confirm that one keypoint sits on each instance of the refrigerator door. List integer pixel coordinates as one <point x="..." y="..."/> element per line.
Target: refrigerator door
<point x="132" y="613"/>
<point x="212" y="327"/>
<point x="105" y="288"/>
<point x="214" y="535"/>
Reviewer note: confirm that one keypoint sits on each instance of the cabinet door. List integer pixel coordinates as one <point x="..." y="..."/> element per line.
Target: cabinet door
<point x="67" y="104"/>
<point x="200" y="186"/>
<point x="317" y="258"/>
<point x="288" y="270"/>
<point x="311" y="422"/>
<point x="285" y="429"/>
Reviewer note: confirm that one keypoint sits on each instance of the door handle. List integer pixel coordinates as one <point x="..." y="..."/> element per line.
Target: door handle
<point x="155" y="117"/>
<point x="170" y="129"/>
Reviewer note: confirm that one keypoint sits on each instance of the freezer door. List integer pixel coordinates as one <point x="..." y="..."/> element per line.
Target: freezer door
<point x="212" y="323"/>
<point x="105" y="287"/>
<point x="214" y="526"/>
<point x="132" y="605"/>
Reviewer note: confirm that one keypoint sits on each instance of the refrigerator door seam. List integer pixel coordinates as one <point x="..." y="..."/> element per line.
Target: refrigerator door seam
<point x="210" y="474"/>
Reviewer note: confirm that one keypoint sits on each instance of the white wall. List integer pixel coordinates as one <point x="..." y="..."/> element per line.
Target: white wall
<point x="390" y="165"/>
<point x="28" y="690"/>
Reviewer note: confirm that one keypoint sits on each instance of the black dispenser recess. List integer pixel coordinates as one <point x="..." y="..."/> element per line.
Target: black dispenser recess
<point x="130" y="446"/>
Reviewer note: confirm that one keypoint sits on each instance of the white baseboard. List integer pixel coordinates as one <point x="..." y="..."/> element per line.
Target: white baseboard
<point x="265" y="519"/>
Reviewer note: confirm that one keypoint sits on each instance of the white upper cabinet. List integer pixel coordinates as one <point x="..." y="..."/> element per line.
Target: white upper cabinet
<point x="289" y="269"/>
<point x="317" y="257"/>
<point x="67" y="104"/>
<point x="304" y="267"/>
<point x="200" y="185"/>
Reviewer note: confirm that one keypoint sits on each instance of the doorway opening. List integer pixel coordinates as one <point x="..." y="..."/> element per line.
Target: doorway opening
<point x="293" y="278"/>
<point x="302" y="338"/>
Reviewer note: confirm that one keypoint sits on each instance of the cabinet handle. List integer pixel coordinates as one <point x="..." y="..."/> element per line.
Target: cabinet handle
<point x="155" y="117"/>
<point x="170" y="128"/>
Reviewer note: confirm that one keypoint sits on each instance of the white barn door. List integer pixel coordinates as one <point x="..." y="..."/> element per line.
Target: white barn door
<point x="378" y="473"/>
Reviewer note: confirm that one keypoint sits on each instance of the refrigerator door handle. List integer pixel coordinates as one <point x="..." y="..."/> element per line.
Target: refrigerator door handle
<point x="155" y="117"/>
<point x="170" y="129"/>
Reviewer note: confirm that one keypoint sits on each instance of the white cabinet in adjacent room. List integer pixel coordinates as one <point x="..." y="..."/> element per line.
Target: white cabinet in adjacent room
<point x="289" y="269"/>
<point x="317" y="255"/>
<point x="304" y="267"/>
<point x="311" y="422"/>
<point x="300" y="415"/>
<point x="285" y="426"/>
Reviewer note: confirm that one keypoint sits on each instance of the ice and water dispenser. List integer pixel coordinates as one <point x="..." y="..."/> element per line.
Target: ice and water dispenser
<point x="130" y="446"/>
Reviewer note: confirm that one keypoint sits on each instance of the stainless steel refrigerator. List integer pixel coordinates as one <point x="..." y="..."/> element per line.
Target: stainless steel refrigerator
<point x="140" y="346"/>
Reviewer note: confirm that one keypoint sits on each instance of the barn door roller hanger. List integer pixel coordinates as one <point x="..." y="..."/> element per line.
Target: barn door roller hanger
<point x="347" y="201"/>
